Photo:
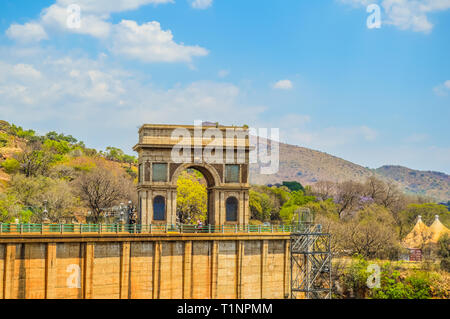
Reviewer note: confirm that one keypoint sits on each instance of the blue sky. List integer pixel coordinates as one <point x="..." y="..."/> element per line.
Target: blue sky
<point x="311" y="68"/>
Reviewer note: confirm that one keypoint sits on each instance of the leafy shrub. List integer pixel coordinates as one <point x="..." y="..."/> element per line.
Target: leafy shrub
<point x="445" y="264"/>
<point x="4" y="139"/>
<point x="393" y="286"/>
<point x="11" y="165"/>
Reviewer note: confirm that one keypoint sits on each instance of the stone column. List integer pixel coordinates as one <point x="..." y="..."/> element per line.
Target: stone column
<point x="239" y="258"/>
<point x="169" y="208"/>
<point x="156" y="270"/>
<point x="50" y="271"/>
<point x="287" y="273"/>
<point x="264" y="273"/>
<point x="88" y="270"/>
<point x="144" y="208"/>
<point x="187" y="270"/>
<point x="8" y="278"/>
<point x="124" y="270"/>
<point x="214" y="268"/>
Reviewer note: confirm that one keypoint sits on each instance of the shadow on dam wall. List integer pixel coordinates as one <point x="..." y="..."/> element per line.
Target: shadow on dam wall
<point x="184" y="266"/>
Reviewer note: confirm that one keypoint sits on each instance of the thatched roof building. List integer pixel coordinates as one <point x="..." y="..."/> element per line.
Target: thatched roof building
<point x="422" y="235"/>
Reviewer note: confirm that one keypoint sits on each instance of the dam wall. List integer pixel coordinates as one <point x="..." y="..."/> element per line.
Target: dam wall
<point x="145" y="266"/>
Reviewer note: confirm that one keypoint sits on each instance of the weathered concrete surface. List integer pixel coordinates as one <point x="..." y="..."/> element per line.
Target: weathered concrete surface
<point x="146" y="266"/>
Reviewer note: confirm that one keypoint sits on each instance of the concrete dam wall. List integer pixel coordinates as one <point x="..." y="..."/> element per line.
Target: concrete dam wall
<point x="145" y="266"/>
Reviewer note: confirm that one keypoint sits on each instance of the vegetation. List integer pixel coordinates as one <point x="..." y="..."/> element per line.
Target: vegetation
<point x="397" y="281"/>
<point x="58" y="173"/>
<point x="192" y="198"/>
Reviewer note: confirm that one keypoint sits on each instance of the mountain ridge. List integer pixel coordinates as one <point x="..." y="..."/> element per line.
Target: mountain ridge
<point x="308" y="166"/>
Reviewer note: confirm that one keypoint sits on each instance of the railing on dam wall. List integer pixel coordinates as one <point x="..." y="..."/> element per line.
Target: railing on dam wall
<point x="6" y="229"/>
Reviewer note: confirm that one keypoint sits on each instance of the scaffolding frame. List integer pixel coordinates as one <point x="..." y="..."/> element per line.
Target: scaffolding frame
<point x="310" y="263"/>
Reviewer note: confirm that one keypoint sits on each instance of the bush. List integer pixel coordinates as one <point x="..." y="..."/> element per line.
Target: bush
<point x="393" y="286"/>
<point x="445" y="264"/>
<point x="4" y="139"/>
<point x="11" y="165"/>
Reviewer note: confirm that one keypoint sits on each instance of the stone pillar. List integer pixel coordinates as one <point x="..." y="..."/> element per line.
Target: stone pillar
<point x="150" y="207"/>
<point x="264" y="272"/>
<point x="88" y="270"/>
<point x="239" y="258"/>
<point x="124" y="270"/>
<point x="156" y="270"/>
<point x="241" y="208"/>
<point x="144" y="208"/>
<point x="214" y="268"/>
<point x="187" y="270"/>
<point x="169" y="208"/>
<point x="50" y="271"/>
<point x="287" y="266"/>
<point x="8" y="278"/>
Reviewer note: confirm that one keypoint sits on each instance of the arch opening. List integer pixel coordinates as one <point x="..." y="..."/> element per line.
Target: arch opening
<point x="192" y="196"/>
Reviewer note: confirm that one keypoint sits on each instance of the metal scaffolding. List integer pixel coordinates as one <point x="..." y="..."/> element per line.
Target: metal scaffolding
<point x="310" y="263"/>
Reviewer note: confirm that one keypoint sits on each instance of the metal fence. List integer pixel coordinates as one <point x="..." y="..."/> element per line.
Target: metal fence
<point x="6" y="229"/>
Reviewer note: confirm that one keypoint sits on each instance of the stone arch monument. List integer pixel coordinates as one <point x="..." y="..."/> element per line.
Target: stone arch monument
<point x="220" y="153"/>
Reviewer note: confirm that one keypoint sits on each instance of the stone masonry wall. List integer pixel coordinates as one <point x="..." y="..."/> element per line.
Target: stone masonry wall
<point x="169" y="266"/>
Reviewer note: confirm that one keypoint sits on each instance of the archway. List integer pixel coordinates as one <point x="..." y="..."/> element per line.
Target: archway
<point x="209" y="179"/>
<point x="159" y="171"/>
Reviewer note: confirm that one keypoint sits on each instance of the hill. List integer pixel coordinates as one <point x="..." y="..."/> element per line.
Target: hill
<point x="308" y="166"/>
<point x="429" y="183"/>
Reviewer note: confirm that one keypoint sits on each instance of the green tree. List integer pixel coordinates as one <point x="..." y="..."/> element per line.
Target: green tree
<point x="10" y="208"/>
<point x="31" y="192"/>
<point x="4" y="139"/>
<point x="114" y="154"/>
<point x="294" y="186"/>
<point x="11" y="165"/>
<point x="261" y="206"/>
<point x="192" y="199"/>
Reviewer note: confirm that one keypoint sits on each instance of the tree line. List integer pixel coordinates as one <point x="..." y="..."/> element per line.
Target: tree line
<point x="59" y="174"/>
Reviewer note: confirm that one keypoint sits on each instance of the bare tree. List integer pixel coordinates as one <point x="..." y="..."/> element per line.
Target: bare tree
<point x="33" y="160"/>
<point x="374" y="188"/>
<point x="102" y="188"/>
<point x="347" y="196"/>
<point x="370" y="233"/>
<point x="324" y="189"/>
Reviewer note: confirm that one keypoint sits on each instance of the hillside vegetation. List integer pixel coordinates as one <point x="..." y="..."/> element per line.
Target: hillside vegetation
<point x="428" y="183"/>
<point x="58" y="173"/>
<point x="309" y="166"/>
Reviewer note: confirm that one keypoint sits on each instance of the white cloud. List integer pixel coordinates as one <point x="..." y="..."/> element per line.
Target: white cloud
<point x="110" y="6"/>
<point x="146" y="42"/>
<point x="83" y="96"/>
<point x="149" y="43"/>
<point x="442" y="89"/>
<point x="28" y="32"/>
<point x="223" y="73"/>
<point x="56" y="17"/>
<point x="283" y="85"/>
<point x="201" y="4"/>
<point x="25" y="71"/>
<point x="406" y="14"/>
